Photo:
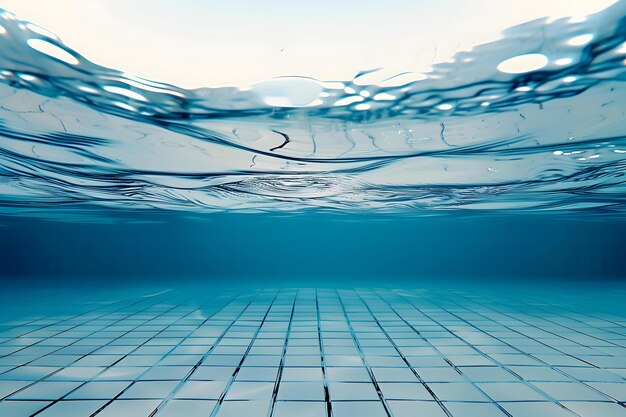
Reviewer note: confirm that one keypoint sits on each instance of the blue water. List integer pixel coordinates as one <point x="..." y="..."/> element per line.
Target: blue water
<point x="447" y="244"/>
<point x="505" y="164"/>
<point x="474" y="134"/>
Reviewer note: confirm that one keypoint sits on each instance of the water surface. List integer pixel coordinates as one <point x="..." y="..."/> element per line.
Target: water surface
<point x="531" y="122"/>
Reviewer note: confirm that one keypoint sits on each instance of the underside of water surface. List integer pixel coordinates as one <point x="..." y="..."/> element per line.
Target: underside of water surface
<point x="532" y="121"/>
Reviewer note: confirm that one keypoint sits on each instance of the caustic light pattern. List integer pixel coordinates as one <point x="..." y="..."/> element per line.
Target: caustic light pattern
<point x="319" y="353"/>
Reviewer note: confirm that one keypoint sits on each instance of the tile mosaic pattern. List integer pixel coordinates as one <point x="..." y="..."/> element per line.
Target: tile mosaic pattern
<point x="317" y="353"/>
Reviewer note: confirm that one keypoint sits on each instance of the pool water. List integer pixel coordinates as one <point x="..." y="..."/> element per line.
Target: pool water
<point x="445" y="243"/>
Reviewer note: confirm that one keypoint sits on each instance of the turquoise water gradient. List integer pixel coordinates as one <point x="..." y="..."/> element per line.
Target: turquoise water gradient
<point x="313" y="249"/>
<point x="184" y="235"/>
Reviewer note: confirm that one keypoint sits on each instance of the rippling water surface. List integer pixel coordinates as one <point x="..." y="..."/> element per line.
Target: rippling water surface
<point x="533" y="121"/>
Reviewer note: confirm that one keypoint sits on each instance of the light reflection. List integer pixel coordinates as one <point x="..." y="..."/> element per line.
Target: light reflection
<point x="348" y="100"/>
<point x="124" y="92"/>
<point x="580" y="40"/>
<point x="52" y="50"/>
<point x="563" y="61"/>
<point x="523" y="63"/>
<point x="384" y="96"/>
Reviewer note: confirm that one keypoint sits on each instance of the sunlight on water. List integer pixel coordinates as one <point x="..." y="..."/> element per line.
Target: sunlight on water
<point x="534" y="121"/>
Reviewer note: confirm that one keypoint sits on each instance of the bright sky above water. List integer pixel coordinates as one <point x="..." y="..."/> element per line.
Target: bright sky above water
<point x="213" y="43"/>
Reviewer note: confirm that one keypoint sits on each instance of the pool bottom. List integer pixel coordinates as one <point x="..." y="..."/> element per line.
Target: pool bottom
<point x="315" y="353"/>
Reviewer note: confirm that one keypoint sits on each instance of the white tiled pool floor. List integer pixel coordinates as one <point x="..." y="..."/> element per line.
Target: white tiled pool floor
<point x="318" y="353"/>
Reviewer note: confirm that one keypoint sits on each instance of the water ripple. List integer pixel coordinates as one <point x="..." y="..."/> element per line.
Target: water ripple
<point x="534" y="121"/>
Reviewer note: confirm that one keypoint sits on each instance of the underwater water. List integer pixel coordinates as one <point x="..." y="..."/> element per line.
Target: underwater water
<point x="442" y="244"/>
